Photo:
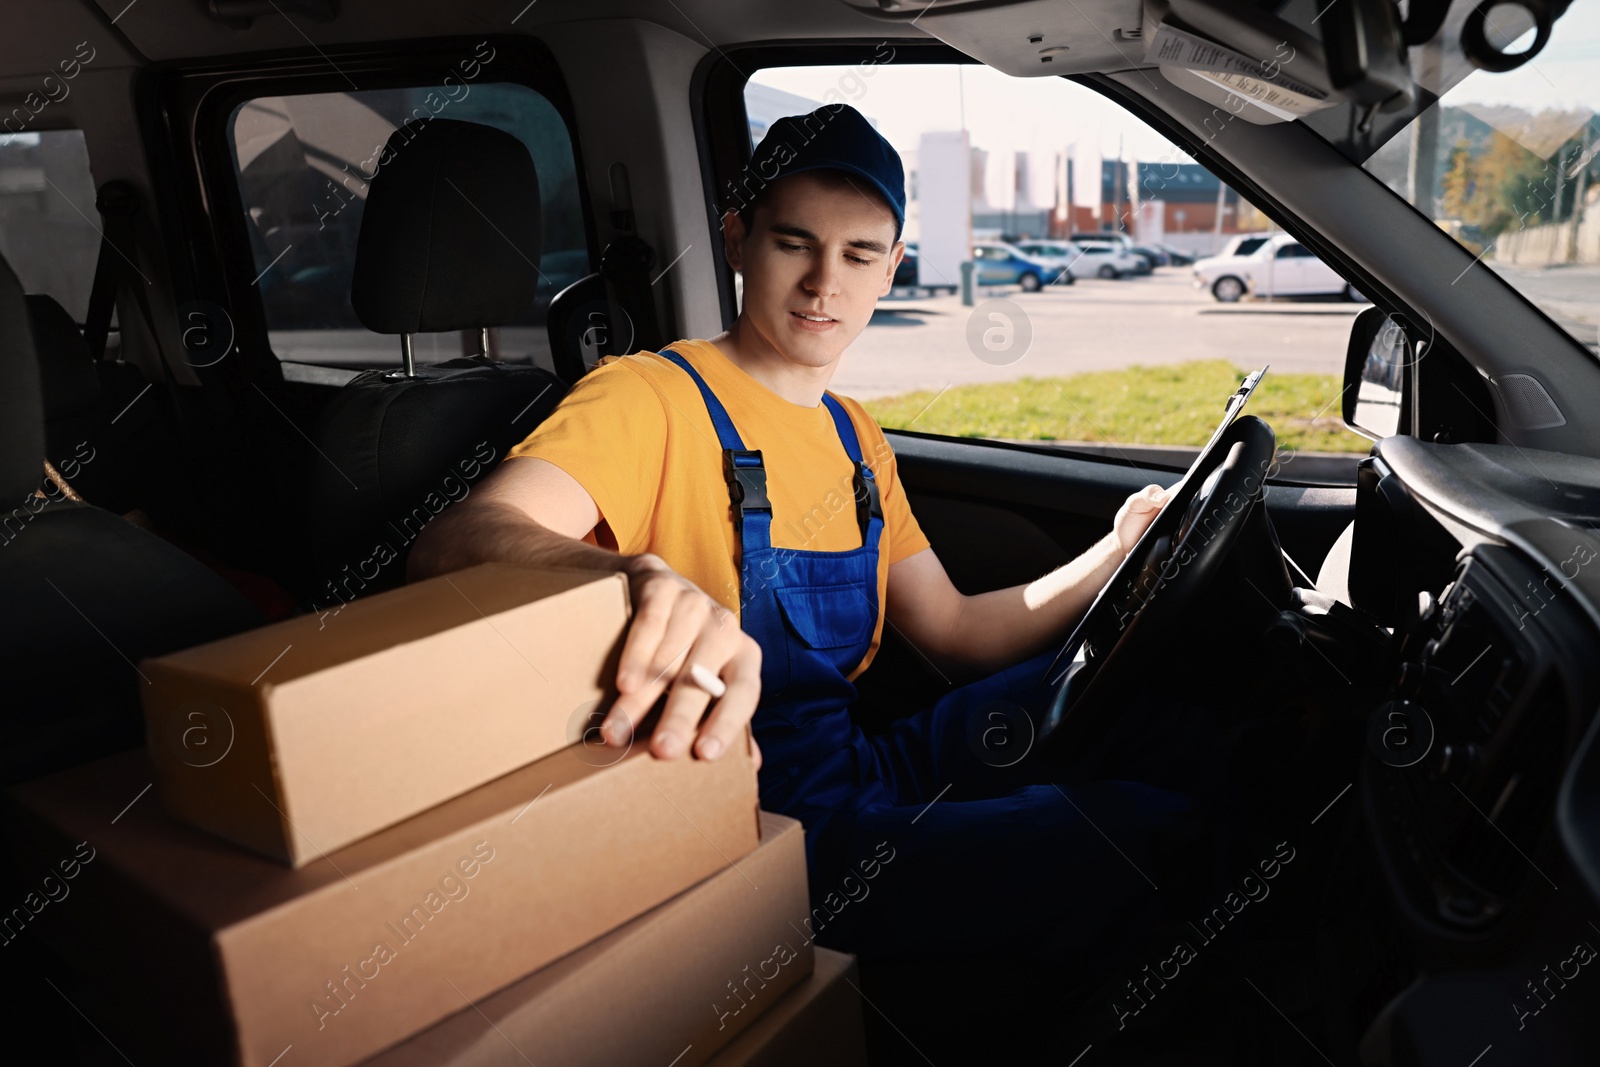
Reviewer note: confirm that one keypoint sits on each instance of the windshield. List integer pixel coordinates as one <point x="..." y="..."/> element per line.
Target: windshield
<point x="1506" y="164"/>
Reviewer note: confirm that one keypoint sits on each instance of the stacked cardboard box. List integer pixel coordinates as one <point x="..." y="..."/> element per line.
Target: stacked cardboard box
<point x="426" y="851"/>
<point x="675" y="985"/>
<point x="819" y="1021"/>
<point x="298" y="738"/>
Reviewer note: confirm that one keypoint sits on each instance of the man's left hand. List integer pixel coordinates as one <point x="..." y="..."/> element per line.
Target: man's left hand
<point x="1136" y="515"/>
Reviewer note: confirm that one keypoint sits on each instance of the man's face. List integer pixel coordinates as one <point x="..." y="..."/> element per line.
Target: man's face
<point x="819" y="248"/>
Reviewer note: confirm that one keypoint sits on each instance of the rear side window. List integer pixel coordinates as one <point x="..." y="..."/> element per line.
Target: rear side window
<point x="303" y="164"/>
<point x="48" y="226"/>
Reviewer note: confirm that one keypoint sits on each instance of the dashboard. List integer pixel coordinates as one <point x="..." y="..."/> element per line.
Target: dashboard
<point x="1481" y="781"/>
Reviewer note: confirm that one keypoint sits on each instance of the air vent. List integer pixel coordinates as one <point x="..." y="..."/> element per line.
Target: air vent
<point x="1527" y="403"/>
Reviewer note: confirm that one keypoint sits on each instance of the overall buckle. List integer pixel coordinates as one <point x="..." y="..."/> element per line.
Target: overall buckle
<point x="747" y="480"/>
<point x="868" y="504"/>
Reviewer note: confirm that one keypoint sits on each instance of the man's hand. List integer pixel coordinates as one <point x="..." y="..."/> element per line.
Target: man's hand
<point x="676" y="625"/>
<point x="1136" y="515"/>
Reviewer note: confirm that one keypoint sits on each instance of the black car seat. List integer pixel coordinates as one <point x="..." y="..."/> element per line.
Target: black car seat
<point x="103" y="442"/>
<point x="449" y="241"/>
<point x="609" y="312"/>
<point x="87" y="595"/>
<point x="67" y="379"/>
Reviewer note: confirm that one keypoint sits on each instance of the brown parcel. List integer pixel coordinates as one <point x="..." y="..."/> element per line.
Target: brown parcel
<point x="183" y="940"/>
<point x="819" y="1021"/>
<point x="672" y="986"/>
<point x="300" y="737"/>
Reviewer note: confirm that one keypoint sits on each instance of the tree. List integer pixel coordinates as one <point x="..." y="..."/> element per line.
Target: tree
<point x="1460" y="183"/>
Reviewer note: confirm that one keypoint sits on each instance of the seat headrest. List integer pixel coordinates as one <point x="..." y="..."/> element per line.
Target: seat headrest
<point x="450" y="233"/>
<point x="67" y="377"/>
<point x="21" y="411"/>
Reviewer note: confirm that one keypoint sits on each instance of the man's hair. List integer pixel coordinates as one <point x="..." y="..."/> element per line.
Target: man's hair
<point x="747" y="210"/>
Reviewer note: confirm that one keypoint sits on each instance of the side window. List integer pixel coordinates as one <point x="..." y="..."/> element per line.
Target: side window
<point x="1291" y="251"/>
<point x="303" y="165"/>
<point x="48" y="226"/>
<point x="1143" y="345"/>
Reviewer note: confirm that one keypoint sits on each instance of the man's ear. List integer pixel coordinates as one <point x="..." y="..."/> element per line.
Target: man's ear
<point x="733" y="236"/>
<point x="896" y="254"/>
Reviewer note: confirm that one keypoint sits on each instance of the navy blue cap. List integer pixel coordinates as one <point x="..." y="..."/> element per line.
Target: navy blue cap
<point x="833" y="137"/>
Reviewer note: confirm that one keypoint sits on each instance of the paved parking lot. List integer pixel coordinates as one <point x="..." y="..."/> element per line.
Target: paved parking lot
<point x="921" y="342"/>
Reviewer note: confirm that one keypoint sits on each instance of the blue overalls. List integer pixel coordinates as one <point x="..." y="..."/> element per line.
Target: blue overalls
<point x="919" y="841"/>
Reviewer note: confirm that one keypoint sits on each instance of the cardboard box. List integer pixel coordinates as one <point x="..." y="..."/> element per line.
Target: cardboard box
<point x="193" y="951"/>
<point x="673" y="986"/>
<point x="300" y="737"/>
<point x="819" y="1021"/>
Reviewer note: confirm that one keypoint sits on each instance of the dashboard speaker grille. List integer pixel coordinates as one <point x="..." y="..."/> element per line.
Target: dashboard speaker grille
<point x="1527" y="403"/>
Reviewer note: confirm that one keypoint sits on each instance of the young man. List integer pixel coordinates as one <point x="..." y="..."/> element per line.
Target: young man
<point x="767" y="539"/>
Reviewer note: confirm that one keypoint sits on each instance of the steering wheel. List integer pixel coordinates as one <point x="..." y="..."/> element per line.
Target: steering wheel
<point x="1161" y="580"/>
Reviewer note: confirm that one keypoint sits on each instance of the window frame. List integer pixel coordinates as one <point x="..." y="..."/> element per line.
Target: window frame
<point x="722" y="125"/>
<point x="186" y="108"/>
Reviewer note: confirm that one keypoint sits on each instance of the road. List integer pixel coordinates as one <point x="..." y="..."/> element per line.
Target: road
<point x="922" y="342"/>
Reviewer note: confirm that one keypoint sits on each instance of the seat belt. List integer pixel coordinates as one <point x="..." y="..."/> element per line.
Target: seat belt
<point x="107" y="270"/>
<point x="118" y="204"/>
<point x="625" y="265"/>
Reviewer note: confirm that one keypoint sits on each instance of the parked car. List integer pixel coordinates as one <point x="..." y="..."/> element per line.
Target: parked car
<point x="1115" y="237"/>
<point x="1128" y="261"/>
<point x="1281" y="266"/>
<point x="1176" y="257"/>
<point x="905" y="275"/>
<point x="1224" y="263"/>
<point x="1243" y="244"/>
<point x="1156" y="255"/>
<point x="1003" y="264"/>
<point x="1095" y="259"/>
<point x="1120" y="259"/>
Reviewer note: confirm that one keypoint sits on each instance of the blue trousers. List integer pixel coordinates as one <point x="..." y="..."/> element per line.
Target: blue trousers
<point x="949" y="835"/>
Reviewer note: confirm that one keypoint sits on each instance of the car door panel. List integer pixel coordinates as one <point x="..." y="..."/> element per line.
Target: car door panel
<point x="1286" y="271"/>
<point x="1000" y="515"/>
<point x="1072" y="500"/>
<point x="1321" y="278"/>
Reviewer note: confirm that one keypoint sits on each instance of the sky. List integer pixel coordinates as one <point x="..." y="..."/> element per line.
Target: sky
<point x="1002" y="112"/>
<point x="1003" y="115"/>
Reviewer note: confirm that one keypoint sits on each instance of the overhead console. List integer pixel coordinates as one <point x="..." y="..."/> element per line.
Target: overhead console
<point x="1357" y="70"/>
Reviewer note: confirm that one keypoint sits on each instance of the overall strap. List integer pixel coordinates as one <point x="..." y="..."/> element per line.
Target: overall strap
<point x="868" y="504"/>
<point x="741" y="467"/>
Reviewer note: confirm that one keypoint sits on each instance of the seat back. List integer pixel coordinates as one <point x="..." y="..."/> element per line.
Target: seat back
<point x="449" y="241"/>
<point x="88" y="595"/>
<point x="580" y="327"/>
<point x="110" y="449"/>
<point x="67" y="378"/>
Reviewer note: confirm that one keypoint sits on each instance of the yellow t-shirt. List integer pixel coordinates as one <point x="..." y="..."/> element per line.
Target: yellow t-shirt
<point x="636" y="434"/>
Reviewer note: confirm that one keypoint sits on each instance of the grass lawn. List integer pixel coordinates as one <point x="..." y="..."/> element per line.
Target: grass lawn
<point x="1173" y="404"/>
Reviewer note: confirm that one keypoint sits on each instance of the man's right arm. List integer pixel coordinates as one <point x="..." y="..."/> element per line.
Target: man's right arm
<point x="527" y="511"/>
<point x="531" y="512"/>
